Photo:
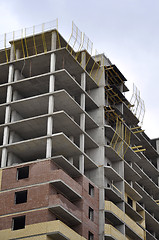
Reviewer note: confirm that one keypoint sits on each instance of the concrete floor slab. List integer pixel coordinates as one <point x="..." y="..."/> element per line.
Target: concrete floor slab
<point x="57" y="235"/>
<point x="30" y="150"/>
<point x="130" y="173"/>
<point x="111" y="174"/>
<point x="149" y="202"/>
<point x="37" y="127"/>
<point x="132" y="192"/>
<point x="63" y="163"/>
<point x="61" y="212"/>
<point x="112" y="154"/>
<point x="132" y="213"/>
<point x="66" y="190"/>
<point x="116" y="197"/>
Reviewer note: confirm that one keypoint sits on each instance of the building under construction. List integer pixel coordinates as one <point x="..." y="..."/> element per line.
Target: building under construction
<point x="75" y="161"/>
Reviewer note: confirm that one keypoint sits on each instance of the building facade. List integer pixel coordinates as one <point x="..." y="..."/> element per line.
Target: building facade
<point x="75" y="163"/>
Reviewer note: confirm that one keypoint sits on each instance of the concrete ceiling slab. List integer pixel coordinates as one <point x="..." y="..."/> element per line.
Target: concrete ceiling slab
<point x="66" y="190"/>
<point x="61" y="211"/>
<point x="63" y="163"/>
<point x="111" y="174"/>
<point x="111" y="154"/>
<point x="132" y="192"/>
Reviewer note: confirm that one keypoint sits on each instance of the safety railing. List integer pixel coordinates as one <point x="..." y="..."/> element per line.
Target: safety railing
<point x="37" y="39"/>
<point x="79" y="43"/>
<point x="122" y="135"/>
<point x="27" y="41"/>
<point x="121" y="138"/>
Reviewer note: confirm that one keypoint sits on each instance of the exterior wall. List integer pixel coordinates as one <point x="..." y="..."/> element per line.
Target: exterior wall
<point x="42" y="232"/>
<point x="42" y="196"/>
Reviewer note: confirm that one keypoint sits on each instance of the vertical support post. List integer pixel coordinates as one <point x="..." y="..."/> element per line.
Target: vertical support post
<point x="82" y="116"/>
<point x="51" y="98"/>
<point x="8" y="111"/>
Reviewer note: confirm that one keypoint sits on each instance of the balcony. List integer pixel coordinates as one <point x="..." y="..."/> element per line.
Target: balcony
<point x="132" y="192"/>
<point x="113" y="213"/>
<point x="149" y="168"/>
<point x="150" y="204"/>
<point x="112" y="233"/>
<point x="66" y="185"/>
<point x="37" y="126"/>
<point x="111" y="154"/>
<point x="147" y="181"/>
<point x="132" y="213"/>
<point x="151" y="224"/>
<point x="112" y="174"/>
<point x="36" y="85"/>
<point x="64" y="164"/>
<point x="114" y="193"/>
<point x="64" y="209"/>
<point x="129" y="117"/>
<point x="145" y="141"/>
<point x="38" y="105"/>
<point x="117" y="216"/>
<point x="149" y="236"/>
<point x="51" y="230"/>
<point x="130" y="173"/>
<point x="30" y="150"/>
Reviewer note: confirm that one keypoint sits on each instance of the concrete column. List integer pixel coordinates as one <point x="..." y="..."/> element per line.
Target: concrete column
<point x="8" y="111"/>
<point x="51" y="98"/>
<point x="82" y="116"/>
<point x="71" y="158"/>
<point x="72" y="139"/>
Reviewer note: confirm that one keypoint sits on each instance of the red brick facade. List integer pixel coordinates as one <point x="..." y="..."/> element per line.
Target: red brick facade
<point x="41" y="196"/>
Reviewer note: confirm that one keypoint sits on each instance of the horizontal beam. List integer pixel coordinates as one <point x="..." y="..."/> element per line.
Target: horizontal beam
<point x="139" y="131"/>
<point x="137" y="147"/>
<point x="135" y="128"/>
<point x="140" y="150"/>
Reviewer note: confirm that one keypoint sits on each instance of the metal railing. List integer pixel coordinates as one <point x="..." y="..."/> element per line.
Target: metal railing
<point x="29" y="41"/>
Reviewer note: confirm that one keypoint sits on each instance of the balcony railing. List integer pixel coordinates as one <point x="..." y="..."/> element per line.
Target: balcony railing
<point x="112" y="231"/>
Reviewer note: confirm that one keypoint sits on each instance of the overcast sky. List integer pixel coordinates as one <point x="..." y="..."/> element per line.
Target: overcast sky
<point x="125" y="30"/>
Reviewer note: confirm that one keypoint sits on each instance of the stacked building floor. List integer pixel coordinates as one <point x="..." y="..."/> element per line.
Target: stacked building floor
<point x="75" y="162"/>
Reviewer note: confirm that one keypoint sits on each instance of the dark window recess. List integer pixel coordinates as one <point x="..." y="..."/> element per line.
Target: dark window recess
<point x="18" y="223"/>
<point x="90" y="236"/>
<point x="130" y="202"/>
<point x="23" y="172"/>
<point x="91" y="190"/>
<point x="21" y="197"/>
<point x="91" y="214"/>
<point x="108" y="185"/>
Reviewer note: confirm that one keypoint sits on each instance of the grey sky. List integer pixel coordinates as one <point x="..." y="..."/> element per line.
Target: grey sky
<point x="125" y="30"/>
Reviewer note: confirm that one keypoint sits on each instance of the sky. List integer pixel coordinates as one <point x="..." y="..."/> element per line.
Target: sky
<point x="125" y="30"/>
